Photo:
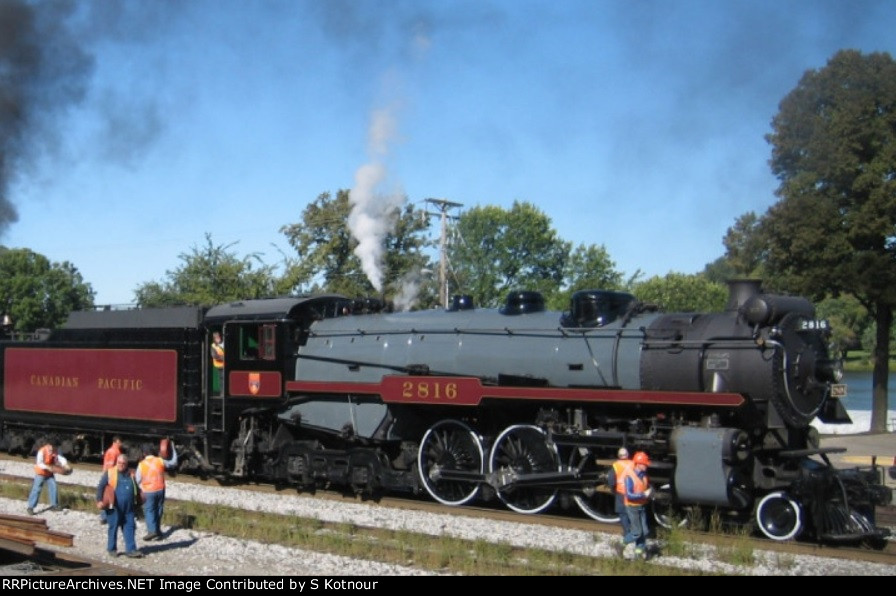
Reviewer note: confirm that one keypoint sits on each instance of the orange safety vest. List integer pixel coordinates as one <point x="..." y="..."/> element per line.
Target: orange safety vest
<point x="49" y="459"/>
<point x="621" y="467"/>
<point x="112" y="473"/>
<point x="218" y="361"/>
<point x="152" y="474"/>
<point x="110" y="456"/>
<point x="639" y="485"/>
<point x="109" y="495"/>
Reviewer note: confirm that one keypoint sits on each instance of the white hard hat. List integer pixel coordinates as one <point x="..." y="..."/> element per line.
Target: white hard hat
<point x="622" y="453"/>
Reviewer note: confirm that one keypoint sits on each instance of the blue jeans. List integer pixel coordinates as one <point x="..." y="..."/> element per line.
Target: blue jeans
<point x="637" y="516"/>
<point x="153" y="509"/>
<point x="128" y="526"/>
<point x="38" y="485"/>
<point x="623" y="519"/>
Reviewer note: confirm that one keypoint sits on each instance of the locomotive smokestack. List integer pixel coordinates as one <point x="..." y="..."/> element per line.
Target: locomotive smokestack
<point x="741" y="290"/>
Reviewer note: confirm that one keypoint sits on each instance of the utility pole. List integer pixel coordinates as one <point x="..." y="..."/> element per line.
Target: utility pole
<point x="443" y="205"/>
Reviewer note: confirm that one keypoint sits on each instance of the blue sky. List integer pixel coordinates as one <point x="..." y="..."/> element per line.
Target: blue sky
<point x="638" y="125"/>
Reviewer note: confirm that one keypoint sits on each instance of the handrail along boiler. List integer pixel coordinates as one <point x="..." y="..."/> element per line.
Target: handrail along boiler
<point x="521" y="404"/>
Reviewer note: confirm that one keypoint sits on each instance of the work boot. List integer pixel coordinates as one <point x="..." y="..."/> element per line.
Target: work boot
<point x="30" y="511"/>
<point x="134" y="554"/>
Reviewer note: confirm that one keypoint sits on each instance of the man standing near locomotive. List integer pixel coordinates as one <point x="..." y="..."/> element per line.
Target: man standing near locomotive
<point x="110" y="457"/>
<point x="46" y="464"/>
<point x="616" y="481"/>
<point x="117" y="494"/>
<point x="217" y="349"/>
<point x="637" y="495"/>
<point x="151" y="479"/>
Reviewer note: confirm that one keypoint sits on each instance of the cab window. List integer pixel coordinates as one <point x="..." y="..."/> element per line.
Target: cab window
<point x="258" y="342"/>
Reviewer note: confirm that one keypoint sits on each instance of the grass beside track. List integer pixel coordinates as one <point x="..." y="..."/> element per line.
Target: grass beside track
<point x="421" y="551"/>
<point x="861" y="361"/>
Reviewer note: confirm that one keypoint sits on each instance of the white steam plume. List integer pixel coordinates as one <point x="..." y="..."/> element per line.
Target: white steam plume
<point x="373" y="213"/>
<point x="408" y="291"/>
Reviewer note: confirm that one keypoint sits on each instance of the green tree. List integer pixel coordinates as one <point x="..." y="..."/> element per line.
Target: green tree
<point x="848" y="319"/>
<point x="499" y="250"/>
<point x="588" y="267"/>
<point x="719" y="271"/>
<point x="745" y="253"/>
<point x="36" y="293"/>
<point x="326" y="260"/>
<point x="679" y="292"/>
<point x="869" y="336"/>
<point x="210" y="275"/>
<point x="832" y="230"/>
<point x="745" y="246"/>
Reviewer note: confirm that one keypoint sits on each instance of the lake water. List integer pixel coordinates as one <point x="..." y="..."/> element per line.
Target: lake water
<point x="858" y="404"/>
<point x="858" y="390"/>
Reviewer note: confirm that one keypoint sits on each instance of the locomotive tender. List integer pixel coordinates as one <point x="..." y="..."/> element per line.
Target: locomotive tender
<point x="520" y="403"/>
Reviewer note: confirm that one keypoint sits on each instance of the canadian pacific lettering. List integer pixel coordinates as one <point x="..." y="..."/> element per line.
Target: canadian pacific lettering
<point x="54" y="381"/>
<point x="119" y="384"/>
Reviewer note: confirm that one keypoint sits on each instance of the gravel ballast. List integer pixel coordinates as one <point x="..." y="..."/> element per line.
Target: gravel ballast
<point x="191" y="552"/>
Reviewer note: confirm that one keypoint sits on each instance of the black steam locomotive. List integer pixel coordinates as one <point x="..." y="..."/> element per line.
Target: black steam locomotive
<point x="519" y="404"/>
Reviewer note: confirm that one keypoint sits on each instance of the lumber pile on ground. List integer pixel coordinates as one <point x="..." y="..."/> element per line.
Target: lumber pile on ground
<point x="20" y="534"/>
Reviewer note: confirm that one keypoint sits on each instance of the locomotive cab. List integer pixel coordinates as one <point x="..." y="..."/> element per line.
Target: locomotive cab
<point x="261" y="339"/>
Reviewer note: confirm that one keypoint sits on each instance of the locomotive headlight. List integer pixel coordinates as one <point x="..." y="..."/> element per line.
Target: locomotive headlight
<point x="829" y="370"/>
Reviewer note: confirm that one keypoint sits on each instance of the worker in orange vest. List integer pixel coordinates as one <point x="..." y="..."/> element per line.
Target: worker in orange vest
<point x="616" y="481"/>
<point x="46" y="464"/>
<point x="151" y="479"/>
<point x="637" y="494"/>
<point x="118" y="494"/>
<point x="110" y="457"/>
<point x="217" y="350"/>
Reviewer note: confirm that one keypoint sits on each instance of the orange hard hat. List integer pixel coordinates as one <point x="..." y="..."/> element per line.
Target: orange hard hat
<point x="641" y="458"/>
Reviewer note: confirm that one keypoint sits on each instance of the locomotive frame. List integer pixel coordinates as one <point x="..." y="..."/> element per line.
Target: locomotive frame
<point x="520" y="404"/>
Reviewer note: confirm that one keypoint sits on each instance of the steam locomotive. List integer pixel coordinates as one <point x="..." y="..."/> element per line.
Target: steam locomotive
<point x="520" y="405"/>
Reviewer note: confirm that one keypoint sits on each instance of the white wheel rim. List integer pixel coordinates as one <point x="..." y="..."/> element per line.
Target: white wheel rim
<point x="776" y="499"/>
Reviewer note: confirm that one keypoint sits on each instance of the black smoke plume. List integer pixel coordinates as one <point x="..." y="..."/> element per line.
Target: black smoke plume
<point x="43" y="73"/>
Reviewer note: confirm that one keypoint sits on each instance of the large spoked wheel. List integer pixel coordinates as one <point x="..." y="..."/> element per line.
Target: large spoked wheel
<point x="665" y="511"/>
<point x="522" y="449"/>
<point x="598" y="504"/>
<point x="450" y="445"/>
<point x="779" y="517"/>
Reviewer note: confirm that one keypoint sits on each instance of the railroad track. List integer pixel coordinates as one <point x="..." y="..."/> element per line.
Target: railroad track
<point x="577" y="521"/>
<point x="43" y="562"/>
<point x="886" y="516"/>
<point x="574" y="519"/>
